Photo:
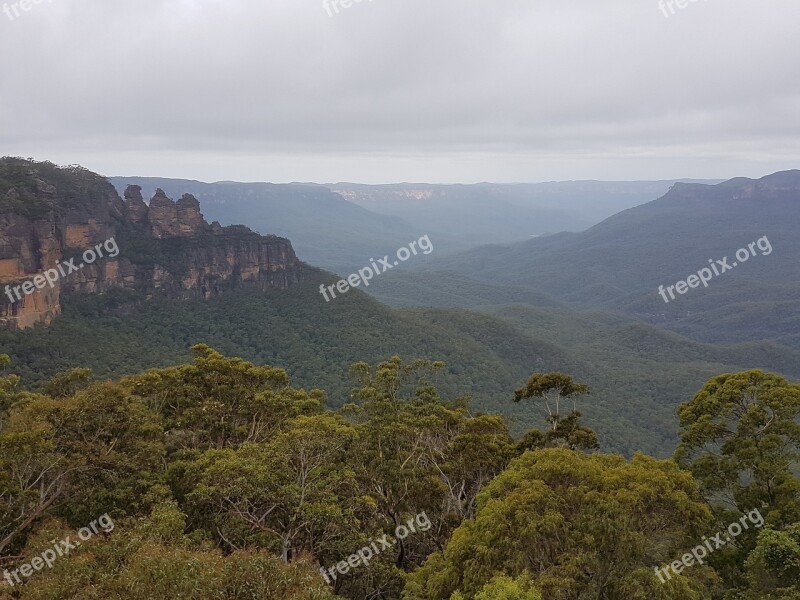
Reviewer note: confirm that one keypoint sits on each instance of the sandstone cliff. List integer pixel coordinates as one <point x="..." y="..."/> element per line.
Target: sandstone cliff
<point x="49" y="215"/>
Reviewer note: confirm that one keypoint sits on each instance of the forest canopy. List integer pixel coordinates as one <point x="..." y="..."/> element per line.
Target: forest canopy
<point x="224" y="480"/>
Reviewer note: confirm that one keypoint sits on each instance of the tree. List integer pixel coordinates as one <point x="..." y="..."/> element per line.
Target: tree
<point x="220" y="402"/>
<point x="565" y="432"/>
<point x="152" y="558"/>
<point x="9" y="390"/>
<point x="66" y="384"/>
<point x="95" y="452"/>
<point x="34" y="476"/>
<point x="580" y="526"/>
<point x="773" y="568"/>
<point x="740" y="437"/>
<point x="505" y="588"/>
<point x="416" y="452"/>
<point x="293" y="494"/>
<point x="404" y="428"/>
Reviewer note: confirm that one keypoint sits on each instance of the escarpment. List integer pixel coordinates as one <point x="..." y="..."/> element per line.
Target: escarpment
<point x="51" y="218"/>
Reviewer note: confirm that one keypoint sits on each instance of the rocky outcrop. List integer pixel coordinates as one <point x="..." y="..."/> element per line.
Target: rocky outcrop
<point x="190" y="220"/>
<point x="51" y="218"/>
<point x="135" y="208"/>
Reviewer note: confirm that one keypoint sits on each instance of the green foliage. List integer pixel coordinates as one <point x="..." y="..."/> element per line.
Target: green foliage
<point x="740" y="437"/>
<point x="581" y="526"/>
<point x="416" y="452"/>
<point x="218" y="402"/>
<point x="633" y="398"/>
<point x="9" y="388"/>
<point x="551" y="386"/>
<point x="773" y="568"/>
<point x="95" y="452"/>
<point x="66" y="384"/>
<point x="152" y="558"/>
<point x="505" y="588"/>
<point x="225" y="481"/>
<point x="293" y="494"/>
<point x="565" y="432"/>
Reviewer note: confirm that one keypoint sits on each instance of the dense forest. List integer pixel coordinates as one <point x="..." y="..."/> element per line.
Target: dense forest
<point x="219" y="479"/>
<point x="638" y="374"/>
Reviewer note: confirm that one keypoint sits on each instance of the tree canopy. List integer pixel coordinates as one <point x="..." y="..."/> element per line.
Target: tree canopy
<point x="226" y="481"/>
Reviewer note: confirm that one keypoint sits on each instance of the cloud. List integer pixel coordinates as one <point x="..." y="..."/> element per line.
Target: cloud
<point x="390" y="90"/>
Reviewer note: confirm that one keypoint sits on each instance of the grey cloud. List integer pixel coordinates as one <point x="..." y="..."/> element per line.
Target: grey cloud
<point x="391" y="90"/>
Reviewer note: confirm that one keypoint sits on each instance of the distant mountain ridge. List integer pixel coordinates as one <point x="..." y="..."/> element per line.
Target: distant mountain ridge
<point x="620" y="263"/>
<point x="493" y="212"/>
<point x="339" y="227"/>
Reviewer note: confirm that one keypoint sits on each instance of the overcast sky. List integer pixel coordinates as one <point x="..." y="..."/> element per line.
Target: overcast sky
<point x="404" y="90"/>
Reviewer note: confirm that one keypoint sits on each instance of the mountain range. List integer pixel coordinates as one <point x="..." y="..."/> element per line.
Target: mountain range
<point x="620" y="264"/>
<point x="585" y="303"/>
<point x="339" y="227"/>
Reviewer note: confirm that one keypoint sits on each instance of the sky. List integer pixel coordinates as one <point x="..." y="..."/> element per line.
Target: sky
<point x="380" y="91"/>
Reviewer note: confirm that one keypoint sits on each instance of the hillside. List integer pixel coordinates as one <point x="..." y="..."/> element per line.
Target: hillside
<point x="620" y="263"/>
<point x="638" y="373"/>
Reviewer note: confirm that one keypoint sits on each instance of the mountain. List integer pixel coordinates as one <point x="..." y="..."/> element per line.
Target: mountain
<point x="177" y="281"/>
<point x="65" y="232"/>
<point x="340" y="227"/>
<point x="621" y="263"/>
<point x="488" y="212"/>
<point x="325" y="229"/>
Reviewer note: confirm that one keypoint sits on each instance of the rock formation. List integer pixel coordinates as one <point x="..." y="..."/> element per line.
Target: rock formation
<point x="49" y="215"/>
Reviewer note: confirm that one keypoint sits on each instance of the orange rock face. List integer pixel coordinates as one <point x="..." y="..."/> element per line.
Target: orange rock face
<point x="166" y="248"/>
<point x="42" y="306"/>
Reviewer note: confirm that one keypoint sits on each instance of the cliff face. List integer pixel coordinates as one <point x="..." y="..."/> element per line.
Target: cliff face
<point x="51" y="218"/>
